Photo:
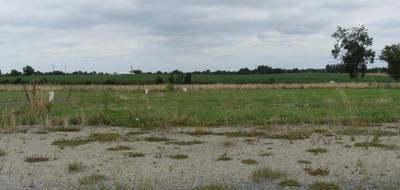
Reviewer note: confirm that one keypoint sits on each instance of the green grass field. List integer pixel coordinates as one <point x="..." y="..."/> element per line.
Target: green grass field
<point x="212" y="108"/>
<point x="199" y="78"/>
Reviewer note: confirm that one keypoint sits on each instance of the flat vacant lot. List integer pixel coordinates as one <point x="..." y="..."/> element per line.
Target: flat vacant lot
<point x="206" y="108"/>
<point x="197" y="78"/>
<point x="34" y="157"/>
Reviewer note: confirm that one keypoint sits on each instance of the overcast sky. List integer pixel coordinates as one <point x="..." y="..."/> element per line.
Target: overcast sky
<point x="152" y="35"/>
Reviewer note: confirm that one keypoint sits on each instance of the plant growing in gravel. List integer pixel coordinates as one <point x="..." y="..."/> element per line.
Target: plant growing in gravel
<point x="214" y="187"/>
<point x="224" y="157"/>
<point x="366" y="145"/>
<point x="321" y="171"/>
<point x="92" y="179"/>
<point x="2" y="153"/>
<point x="304" y="161"/>
<point x="135" y="154"/>
<point x="179" y="156"/>
<point x="266" y="154"/>
<point x="249" y="162"/>
<point x="290" y="183"/>
<point x="266" y="173"/>
<point x="119" y="148"/>
<point x="185" y="143"/>
<point x="75" y="167"/>
<point x="32" y="159"/>
<point x="227" y="144"/>
<point x="324" y="186"/>
<point x="157" y="139"/>
<point x="317" y="151"/>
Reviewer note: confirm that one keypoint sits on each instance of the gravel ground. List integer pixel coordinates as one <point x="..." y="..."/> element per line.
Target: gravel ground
<point x="349" y="166"/>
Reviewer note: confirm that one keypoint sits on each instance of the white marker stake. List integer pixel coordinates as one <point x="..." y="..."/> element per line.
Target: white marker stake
<point x="51" y="97"/>
<point x="146" y="91"/>
<point x="184" y="90"/>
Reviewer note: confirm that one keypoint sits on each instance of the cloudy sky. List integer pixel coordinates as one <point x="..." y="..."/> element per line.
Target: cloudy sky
<point x="112" y="35"/>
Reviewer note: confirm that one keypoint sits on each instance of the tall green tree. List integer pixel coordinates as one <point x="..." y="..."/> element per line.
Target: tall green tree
<point x="28" y="70"/>
<point x="391" y="54"/>
<point x="353" y="49"/>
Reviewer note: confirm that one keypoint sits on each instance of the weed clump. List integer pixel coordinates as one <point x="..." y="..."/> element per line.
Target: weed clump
<point x="214" y="187"/>
<point x="266" y="173"/>
<point x="95" y="137"/>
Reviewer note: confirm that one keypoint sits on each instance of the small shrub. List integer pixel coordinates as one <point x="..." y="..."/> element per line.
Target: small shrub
<point x="249" y="162"/>
<point x="290" y="183"/>
<point x="324" y="186"/>
<point x="33" y="159"/>
<point x="266" y="173"/>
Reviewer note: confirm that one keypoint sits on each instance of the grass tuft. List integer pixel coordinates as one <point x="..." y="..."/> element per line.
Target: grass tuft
<point x="75" y="167"/>
<point x="376" y="145"/>
<point x="92" y="179"/>
<point x="266" y="173"/>
<point x="2" y="153"/>
<point x="214" y="187"/>
<point x="33" y="159"/>
<point x="224" y="157"/>
<point x="157" y="139"/>
<point x="321" y="171"/>
<point x="179" y="157"/>
<point x="317" y="151"/>
<point x="290" y="183"/>
<point x="119" y="148"/>
<point x="249" y="162"/>
<point x="135" y="154"/>
<point x="185" y="143"/>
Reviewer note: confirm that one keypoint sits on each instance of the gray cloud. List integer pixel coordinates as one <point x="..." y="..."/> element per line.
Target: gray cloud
<point x="185" y="34"/>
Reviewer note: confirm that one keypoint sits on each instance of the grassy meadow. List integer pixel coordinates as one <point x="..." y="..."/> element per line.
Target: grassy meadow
<point x="203" y="108"/>
<point x="196" y="78"/>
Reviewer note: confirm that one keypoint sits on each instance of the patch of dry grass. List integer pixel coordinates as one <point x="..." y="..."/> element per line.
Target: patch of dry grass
<point x="135" y="154"/>
<point x="376" y="145"/>
<point x="179" y="156"/>
<point x="224" y="157"/>
<point x="266" y="173"/>
<point x="92" y="179"/>
<point x="185" y="143"/>
<point x="215" y="187"/>
<point x="321" y="171"/>
<point x="94" y="137"/>
<point x="2" y="153"/>
<point x="289" y="183"/>
<point x="157" y="139"/>
<point x="317" y="151"/>
<point x="75" y="167"/>
<point x="33" y="159"/>
<point x="249" y="162"/>
<point x="119" y="148"/>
